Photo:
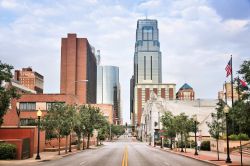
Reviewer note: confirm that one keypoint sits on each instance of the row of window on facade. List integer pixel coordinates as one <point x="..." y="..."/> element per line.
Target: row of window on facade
<point x="155" y="43"/>
<point x="30" y="106"/>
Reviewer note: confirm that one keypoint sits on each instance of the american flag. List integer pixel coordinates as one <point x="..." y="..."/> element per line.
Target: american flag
<point x="229" y="68"/>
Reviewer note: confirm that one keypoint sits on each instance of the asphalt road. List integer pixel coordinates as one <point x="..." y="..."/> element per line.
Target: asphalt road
<point x="124" y="152"/>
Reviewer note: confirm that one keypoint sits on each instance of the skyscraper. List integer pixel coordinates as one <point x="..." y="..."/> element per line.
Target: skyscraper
<point x="147" y="57"/>
<point x="107" y="82"/>
<point x="78" y="69"/>
<point x="108" y="88"/>
<point x="147" y="76"/>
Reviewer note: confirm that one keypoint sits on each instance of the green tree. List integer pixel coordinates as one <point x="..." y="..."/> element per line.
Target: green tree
<point x="168" y="126"/>
<point x="216" y="127"/>
<point x="189" y="126"/>
<point x="80" y="124"/>
<point x="117" y="130"/>
<point x="70" y="115"/>
<point x="6" y="94"/>
<point x="57" y="121"/>
<point x="241" y="109"/>
<point x="90" y="116"/>
<point x="102" y="128"/>
<point x="180" y="125"/>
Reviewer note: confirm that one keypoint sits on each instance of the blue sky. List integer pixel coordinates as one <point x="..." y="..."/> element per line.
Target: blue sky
<point x="197" y="37"/>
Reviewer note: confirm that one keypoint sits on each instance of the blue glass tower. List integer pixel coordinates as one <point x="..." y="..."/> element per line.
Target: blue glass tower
<point x="147" y="56"/>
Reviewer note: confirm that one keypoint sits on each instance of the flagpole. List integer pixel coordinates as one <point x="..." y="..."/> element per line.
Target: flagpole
<point x="232" y="90"/>
<point x="225" y="92"/>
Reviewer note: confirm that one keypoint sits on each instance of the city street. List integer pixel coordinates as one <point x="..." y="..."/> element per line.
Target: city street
<point x="124" y="152"/>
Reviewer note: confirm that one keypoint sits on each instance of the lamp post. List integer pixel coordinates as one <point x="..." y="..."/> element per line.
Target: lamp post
<point x="110" y="133"/>
<point x="226" y="111"/>
<point x="195" y="131"/>
<point x="39" y="114"/>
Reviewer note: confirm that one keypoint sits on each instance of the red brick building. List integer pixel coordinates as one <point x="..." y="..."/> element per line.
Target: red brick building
<point x="142" y="93"/>
<point x="78" y="64"/>
<point x="186" y="92"/>
<point x="30" y="79"/>
<point x="28" y="104"/>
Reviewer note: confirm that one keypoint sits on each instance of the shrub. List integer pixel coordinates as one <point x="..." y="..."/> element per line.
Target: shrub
<point x="233" y="137"/>
<point x="243" y="137"/>
<point x="7" y="151"/>
<point x="205" y="145"/>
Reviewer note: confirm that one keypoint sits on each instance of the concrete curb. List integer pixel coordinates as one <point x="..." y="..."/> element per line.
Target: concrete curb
<point x="32" y="161"/>
<point x="205" y="161"/>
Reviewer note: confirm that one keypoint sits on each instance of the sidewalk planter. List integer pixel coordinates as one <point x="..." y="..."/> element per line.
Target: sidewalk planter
<point x="223" y="145"/>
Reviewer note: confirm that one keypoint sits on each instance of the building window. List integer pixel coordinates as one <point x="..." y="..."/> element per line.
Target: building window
<point x="27" y="106"/>
<point x="28" y="122"/>
<point x="50" y="104"/>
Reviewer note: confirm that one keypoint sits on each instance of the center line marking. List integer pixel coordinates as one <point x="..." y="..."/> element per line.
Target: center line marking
<point x="82" y="163"/>
<point x="125" y="157"/>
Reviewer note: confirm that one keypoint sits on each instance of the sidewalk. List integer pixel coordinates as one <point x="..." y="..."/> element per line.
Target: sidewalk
<point x="211" y="157"/>
<point x="45" y="156"/>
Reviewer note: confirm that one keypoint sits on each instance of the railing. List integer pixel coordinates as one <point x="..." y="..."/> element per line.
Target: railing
<point x="245" y="149"/>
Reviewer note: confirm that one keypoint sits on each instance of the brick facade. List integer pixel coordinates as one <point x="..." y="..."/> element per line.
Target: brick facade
<point x="78" y="64"/>
<point x="30" y="79"/>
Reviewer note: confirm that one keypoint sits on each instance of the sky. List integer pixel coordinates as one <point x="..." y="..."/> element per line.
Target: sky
<point x="197" y="38"/>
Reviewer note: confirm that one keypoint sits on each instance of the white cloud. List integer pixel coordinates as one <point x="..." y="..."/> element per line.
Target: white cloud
<point x="8" y="4"/>
<point x="150" y="4"/>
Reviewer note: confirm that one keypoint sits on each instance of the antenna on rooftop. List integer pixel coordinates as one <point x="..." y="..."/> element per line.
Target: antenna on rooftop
<point x="146" y="15"/>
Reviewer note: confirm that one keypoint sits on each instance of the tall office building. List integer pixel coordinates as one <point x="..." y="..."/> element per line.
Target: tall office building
<point x="147" y="70"/>
<point x="107" y="82"/>
<point x="108" y="88"/>
<point x="78" y="69"/>
<point x="147" y="57"/>
<point x="30" y="79"/>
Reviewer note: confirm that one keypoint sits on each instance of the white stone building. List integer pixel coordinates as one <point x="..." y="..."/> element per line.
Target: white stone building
<point x="156" y="106"/>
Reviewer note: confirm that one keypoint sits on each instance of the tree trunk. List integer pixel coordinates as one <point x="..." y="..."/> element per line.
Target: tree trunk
<point x="70" y="142"/>
<point x="185" y="145"/>
<point x="66" y="145"/>
<point x="59" y="148"/>
<point x="88" y="141"/>
<point x="171" y="143"/>
<point x="83" y="147"/>
<point x="182" y="142"/>
<point x="78" y="141"/>
<point x="218" y="154"/>
<point x="97" y="141"/>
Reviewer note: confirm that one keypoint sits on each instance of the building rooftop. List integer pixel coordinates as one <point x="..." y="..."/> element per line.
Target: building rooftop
<point x="186" y="86"/>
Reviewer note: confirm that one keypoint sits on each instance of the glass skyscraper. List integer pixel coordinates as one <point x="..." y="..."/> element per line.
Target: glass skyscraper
<point x="147" y="56"/>
<point x="107" y="83"/>
<point x="108" y="89"/>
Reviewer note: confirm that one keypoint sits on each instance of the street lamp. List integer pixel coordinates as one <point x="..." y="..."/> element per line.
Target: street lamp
<point x="195" y="131"/>
<point x="39" y="114"/>
<point x="226" y="111"/>
<point x="110" y="133"/>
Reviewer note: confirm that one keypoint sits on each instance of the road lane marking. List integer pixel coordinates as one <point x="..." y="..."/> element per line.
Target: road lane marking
<point x="166" y="163"/>
<point x="125" y="157"/>
<point x="82" y="163"/>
